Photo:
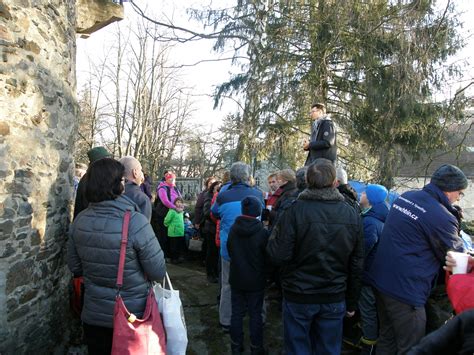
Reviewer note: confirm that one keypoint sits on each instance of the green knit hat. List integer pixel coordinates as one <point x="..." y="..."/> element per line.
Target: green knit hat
<point x="97" y="153"/>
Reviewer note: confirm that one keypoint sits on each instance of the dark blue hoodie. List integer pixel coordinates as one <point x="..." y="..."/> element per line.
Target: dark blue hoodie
<point x="373" y="220"/>
<point x="419" y="230"/>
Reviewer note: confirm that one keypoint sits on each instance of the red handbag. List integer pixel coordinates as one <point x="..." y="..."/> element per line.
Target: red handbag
<point x="460" y="290"/>
<point x="132" y="335"/>
<point x="77" y="296"/>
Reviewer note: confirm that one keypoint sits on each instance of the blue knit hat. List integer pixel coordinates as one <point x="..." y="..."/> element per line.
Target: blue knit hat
<point x="376" y="193"/>
<point x="251" y="206"/>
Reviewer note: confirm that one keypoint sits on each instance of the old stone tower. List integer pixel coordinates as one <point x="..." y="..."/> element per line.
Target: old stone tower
<point x="38" y="122"/>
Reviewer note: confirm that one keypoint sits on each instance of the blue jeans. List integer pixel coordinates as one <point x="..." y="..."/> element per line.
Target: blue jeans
<point x="313" y="328"/>
<point x="243" y="301"/>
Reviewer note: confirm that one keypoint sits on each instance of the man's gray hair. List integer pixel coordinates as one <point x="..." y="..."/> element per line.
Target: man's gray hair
<point x="341" y="176"/>
<point x="239" y="172"/>
<point x="129" y="163"/>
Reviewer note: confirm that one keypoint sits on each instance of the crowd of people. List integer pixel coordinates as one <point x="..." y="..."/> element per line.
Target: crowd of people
<point x="333" y="254"/>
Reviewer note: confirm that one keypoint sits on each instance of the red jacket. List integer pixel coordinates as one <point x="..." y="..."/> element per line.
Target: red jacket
<point x="216" y="221"/>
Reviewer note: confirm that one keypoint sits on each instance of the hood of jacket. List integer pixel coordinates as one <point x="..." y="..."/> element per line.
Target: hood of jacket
<point x="324" y="194"/>
<point x="378" y="211"/>
<point x="247" y="226"/>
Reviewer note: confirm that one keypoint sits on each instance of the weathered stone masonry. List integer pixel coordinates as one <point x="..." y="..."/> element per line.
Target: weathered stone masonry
<point x="37" y="125"/>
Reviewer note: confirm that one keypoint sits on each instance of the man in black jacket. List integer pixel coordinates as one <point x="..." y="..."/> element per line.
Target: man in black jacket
<point x="323" y="136"/>
<point x="318" y="243"/>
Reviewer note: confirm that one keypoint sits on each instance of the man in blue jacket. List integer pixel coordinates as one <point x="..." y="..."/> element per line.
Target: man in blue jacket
<point x="227" y="208"/>
<point x="420" y="227"/>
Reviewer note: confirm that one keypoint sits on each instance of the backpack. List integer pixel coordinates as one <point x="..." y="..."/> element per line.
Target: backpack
<point x="159" y="208"/>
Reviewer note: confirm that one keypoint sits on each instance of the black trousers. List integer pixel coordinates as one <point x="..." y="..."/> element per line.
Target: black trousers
<point x="161" y="233"/>
<point x="176" y="247"/>
<point x="402" y="326"/>
<point x="212" y="258"/>
<point x="98" y="339"/>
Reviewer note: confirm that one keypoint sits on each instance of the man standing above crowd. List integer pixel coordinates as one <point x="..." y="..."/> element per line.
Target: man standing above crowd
<point x="319" y="245"/>
<point x="227" y="208"/>
<point x="420" y="227"/>
<point x="323" y="136"/>
<point x="133" y="179"/>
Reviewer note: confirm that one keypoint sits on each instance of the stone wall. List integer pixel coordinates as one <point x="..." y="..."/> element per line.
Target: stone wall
<point x="37" y="125"/>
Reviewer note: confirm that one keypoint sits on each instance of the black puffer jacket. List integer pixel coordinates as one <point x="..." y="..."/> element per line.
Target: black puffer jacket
<point x="208" y="225"/>
<point x="246" y="246"/>
<point x="318" y="241"/>
<point x="93" y="252"/>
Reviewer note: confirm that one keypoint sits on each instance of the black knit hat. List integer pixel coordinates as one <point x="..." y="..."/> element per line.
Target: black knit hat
<point x="449" y="178"/>
<point x="251" y="206"/>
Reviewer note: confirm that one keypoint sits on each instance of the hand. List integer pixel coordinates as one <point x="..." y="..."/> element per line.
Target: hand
<point x="305" y="144"/>
<point x="350" y="314"/>
<point x="450" y="262"/>
<point x="196" y="225"/>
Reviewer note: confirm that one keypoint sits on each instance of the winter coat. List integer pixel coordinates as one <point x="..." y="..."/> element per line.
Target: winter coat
<point x="318" y="243"/>
<point x="146" y="187"/>
<point x="93" y="252"/>
<point x="323" y="141"/>
<point x="420" y="228"/>
<point x="135" y="193"/>
<point x="288" y="193"/>
<point x="373" y="220"/>
<point x="162" y="194"/>
<point x="456" y="337"/>
<point x="350" y="196"/>
<point x="198" y="209"/>
<point x="246" y="246"/>
<point x="81" y="203"/>
<point x="227" y="208"/>
<point x="209" y="227"/>
<point x="174" y="220"/>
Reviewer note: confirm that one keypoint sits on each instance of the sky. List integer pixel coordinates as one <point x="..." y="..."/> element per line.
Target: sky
<point x="204" y="77"/>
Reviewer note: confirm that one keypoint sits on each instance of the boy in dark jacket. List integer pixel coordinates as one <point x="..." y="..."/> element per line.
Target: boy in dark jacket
<point x="246" y="246"/>
<point x="374" y="213"/>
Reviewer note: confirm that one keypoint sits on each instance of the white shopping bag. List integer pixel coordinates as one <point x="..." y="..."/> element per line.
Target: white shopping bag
<point x="171" y="309"/>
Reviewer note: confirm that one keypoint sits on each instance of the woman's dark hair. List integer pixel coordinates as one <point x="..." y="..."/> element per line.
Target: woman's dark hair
<point x="104" y="180"/>
<point x="208" y="180"/>
<point x="213" y="186"/>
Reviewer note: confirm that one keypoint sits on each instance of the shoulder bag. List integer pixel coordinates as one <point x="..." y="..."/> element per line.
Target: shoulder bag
<point x="132" y="335"/>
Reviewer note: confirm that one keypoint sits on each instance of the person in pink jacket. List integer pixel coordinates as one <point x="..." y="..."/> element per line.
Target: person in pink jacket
<point x="166" y="194"/>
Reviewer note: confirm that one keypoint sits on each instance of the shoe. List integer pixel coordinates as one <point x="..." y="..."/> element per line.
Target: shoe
<point x="367" y="346"/>
<point x="236" y="348"/>
<point x="212" y="279"/>
<point x="258" y="351"/>
<point x="225" y="328"/>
